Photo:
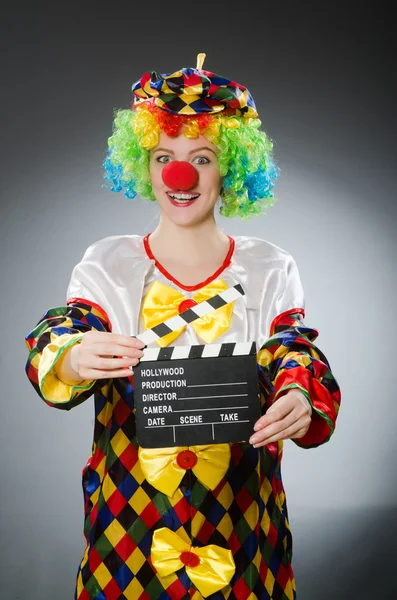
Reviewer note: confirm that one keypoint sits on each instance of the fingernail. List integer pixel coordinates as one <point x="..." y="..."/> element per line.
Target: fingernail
<point x="253" y="439"/>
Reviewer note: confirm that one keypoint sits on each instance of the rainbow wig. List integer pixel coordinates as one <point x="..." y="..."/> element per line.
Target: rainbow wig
<point x="194" y="102"/>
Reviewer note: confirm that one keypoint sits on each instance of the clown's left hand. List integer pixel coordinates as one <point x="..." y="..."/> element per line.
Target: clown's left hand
<point x="288" y="418"/>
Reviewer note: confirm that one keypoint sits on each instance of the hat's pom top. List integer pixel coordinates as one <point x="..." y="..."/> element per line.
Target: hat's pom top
<point x="200" y="61"/>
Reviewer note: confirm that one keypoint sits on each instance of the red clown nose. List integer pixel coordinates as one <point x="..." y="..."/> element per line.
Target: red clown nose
<point x="179" y="175"/>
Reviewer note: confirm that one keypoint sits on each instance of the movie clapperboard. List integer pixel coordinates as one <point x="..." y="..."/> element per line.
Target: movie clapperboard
<point x="199" y="394"/>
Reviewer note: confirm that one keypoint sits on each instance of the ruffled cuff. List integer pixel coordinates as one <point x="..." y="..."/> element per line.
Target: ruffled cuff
<point x="324" y="411"/>
<point x="53" y="389"/>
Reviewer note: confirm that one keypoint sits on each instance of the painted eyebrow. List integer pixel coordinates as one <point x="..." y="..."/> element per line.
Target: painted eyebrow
<point x="191" y="151"/>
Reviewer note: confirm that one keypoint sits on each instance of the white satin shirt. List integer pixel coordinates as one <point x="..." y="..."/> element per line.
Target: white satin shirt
<point x="116" y="272"/>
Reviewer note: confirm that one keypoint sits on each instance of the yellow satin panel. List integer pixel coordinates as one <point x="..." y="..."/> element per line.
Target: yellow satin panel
<point x="161" y="303"/>
<point x="216" y="566"/>
<point x="160" y="467"/>
<point x="54" y="389"/>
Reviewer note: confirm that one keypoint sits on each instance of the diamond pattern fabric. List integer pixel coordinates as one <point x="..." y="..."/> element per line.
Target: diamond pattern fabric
<point x="246" y="513"/>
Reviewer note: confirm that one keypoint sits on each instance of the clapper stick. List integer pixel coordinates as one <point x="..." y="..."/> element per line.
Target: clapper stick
<point x="191" y="314"/>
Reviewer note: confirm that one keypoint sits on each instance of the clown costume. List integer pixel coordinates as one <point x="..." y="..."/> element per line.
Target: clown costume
<point x="201" y="521"/>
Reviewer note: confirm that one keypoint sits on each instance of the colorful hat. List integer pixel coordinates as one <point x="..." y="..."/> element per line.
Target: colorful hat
<point x="194" y="91"/>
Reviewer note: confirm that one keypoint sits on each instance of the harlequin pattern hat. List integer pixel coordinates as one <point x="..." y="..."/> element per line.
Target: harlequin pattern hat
<point x="194" y="91"/>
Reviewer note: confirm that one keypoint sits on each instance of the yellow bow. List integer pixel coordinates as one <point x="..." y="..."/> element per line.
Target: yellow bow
<point x="210" y="568"/>
<point x="161" y="466"/>
<point x="161" y="303"/>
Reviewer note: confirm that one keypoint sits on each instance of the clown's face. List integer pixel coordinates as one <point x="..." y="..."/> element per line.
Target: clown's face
<point x="187" y="196"/>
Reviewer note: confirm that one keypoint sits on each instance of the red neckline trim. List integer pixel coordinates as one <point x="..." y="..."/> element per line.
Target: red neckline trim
<point x="190" y="288"/>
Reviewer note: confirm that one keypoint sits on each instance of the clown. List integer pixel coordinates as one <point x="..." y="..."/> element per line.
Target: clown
<point x="195" y="103"/>
<point x="197" y="521"/>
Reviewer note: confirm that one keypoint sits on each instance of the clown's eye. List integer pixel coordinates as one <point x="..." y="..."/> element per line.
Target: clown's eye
<point x="164" y="159"/>
<point x="201" y="160"/>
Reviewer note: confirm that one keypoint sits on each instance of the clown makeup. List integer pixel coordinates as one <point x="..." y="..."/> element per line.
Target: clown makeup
<point x="185" y="178"/>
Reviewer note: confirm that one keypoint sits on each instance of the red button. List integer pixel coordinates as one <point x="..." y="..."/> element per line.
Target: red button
<point x="186" y="459"/>
<point x="186" y="304"/>
<point x="189" y="559"/>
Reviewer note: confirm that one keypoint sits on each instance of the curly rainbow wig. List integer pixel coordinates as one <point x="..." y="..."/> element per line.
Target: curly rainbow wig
<point x="194" y="102"/>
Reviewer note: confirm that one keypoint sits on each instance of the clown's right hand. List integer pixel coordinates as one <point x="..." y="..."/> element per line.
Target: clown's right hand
<point x="100" y="355"/>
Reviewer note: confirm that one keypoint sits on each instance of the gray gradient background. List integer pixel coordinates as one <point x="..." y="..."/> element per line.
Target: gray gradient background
<point x="323" y="81"/>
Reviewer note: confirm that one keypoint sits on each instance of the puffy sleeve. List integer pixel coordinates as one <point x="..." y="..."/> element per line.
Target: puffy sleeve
<point x="55" y="333"/>
<point x="289" y="359"/>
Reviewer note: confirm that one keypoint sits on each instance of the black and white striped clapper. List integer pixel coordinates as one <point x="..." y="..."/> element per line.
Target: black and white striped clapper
<point x="199" y="394"/>
<point x="193" y="313"/>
